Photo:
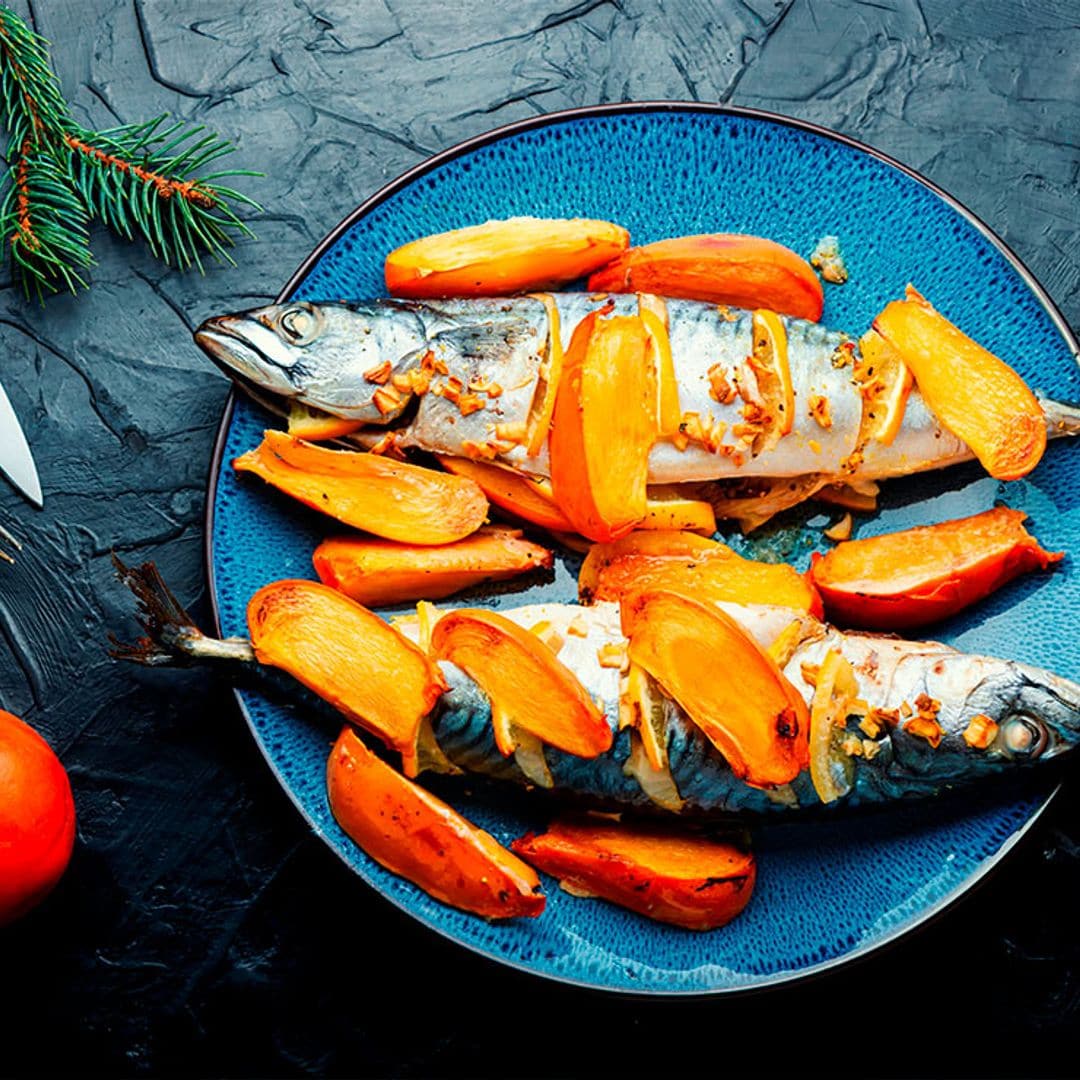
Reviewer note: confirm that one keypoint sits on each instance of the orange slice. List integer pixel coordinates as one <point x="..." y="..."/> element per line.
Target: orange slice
<point x="653" y="311"/>
<point x="669" y="508"/>
<point x="888" y="382"/>
<point x="550" y="373"/>
<point x="830" y="769"/>
<point x="316" y="425"/>
<point x="771" y="356"/>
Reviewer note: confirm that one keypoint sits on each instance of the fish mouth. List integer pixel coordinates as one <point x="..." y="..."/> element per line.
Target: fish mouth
<point x="224" y="340"/>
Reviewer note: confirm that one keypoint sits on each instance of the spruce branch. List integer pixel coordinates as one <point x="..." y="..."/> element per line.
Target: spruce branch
<point x="139" y="179"/>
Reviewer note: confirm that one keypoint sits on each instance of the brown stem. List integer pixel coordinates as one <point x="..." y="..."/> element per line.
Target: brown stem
<point x="22" y="200"/>
<point x="166" y="188"/>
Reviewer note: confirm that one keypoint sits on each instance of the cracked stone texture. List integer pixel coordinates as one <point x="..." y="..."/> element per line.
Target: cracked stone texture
<point x="200" y="928"/>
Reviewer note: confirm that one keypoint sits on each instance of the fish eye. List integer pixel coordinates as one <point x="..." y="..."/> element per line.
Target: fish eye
<point x="1024" y="736"/>
<point x="298" y="324"/>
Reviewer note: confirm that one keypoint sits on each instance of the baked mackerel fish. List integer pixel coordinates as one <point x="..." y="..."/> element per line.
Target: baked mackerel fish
<point x="921" y="718"/>
<point x="387" y="363"/>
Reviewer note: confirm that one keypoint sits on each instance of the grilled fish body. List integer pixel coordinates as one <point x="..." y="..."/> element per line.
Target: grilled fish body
<point x="338" y="357"/>
<point x="1037" y="716"/>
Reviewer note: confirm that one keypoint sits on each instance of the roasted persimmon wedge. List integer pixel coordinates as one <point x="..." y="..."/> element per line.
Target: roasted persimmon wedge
<point x="502" y="257"/>
<point x="315" y="425"/>
<point x="649" y="547"/>
<point x="348" y="656"/>
<point x="728" y="685"/>
<point x="721" y="268"/>
<point x="527" y="686"/>
<point x="514" y="492"/>
<point x="710" y="572"/>
<point x="603" y="428"/>
<point x="671" y="876"/>
<point x="977" y="396"/>
<point x="393" y="499"/>
<point x="375" y="572"/>
<point x="667" y="507"/>
<point x="922" y="575"/>
<point x="418" y="836"/>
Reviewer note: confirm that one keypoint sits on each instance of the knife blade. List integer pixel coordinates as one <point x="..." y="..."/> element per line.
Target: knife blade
<point x="16" y="461"/>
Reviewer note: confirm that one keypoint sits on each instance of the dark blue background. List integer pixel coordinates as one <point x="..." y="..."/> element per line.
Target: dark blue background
<point x="200" y="928"/>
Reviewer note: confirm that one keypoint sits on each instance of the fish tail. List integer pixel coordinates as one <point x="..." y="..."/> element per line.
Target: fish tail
<point x="170" y="634"/>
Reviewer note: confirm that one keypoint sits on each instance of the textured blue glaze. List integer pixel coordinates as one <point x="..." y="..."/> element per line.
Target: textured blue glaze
<point x="828" y="890"/>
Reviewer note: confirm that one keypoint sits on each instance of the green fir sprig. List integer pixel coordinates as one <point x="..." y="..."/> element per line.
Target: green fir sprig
<point x="140" y="179"/>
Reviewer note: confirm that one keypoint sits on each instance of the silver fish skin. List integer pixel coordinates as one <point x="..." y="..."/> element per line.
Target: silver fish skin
<point x="322" y="354"/>
<point x="1037" y="713"/>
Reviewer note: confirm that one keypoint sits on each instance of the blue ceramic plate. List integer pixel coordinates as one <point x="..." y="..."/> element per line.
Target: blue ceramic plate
<point x="826" y="892"/>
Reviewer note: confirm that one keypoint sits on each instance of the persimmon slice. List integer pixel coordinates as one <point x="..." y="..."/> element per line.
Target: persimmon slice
<point x="393" y="499"/>
<point x="667" y="875"/>
<point x="971" y="392"/>
<point x="527" y="686"/>
<point x="650" y="546"/>
<point x="603" y="428"/>
<point x="711" y="572"/>
<point x="416" y="835"/>
<point x="721" y="268"/>
<point x="515" y="492"/>
<point x="374" y="572"/>
<point x="502" y="257"/>
<point x="918" y="576"/>
<point x="729" y="686"/>
<point x="348" y="656"/>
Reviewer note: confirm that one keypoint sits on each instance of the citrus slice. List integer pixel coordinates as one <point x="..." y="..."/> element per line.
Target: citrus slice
<point x="551" y="373"/>
<point x="667" y="507"/>
<point x="886" y="383"/>
<point x="316" y="425"/>
<point x="830" y="768"/>
<point x="771" y="361"/>
<point x="653" y="311"/>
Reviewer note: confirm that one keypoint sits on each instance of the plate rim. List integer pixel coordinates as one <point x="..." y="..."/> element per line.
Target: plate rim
<point x="422" y="168"/>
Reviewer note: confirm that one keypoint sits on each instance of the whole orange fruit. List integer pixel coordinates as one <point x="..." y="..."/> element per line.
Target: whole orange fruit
<point x="37" y="818"/>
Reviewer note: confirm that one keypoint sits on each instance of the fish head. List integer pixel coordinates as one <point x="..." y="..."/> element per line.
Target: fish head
<point x="267" y="346"/>
<point x="1036" y="713"/>
<point x="318" y="354"/>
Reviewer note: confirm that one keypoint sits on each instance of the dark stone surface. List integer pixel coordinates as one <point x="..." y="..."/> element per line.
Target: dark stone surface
<point x="200" y="928"/>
